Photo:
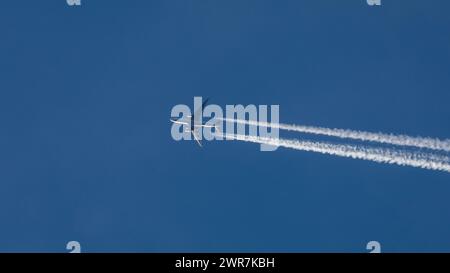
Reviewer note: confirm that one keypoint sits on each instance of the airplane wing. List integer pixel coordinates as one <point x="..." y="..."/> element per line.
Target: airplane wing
<point x="179" y="122"/>
<point x="196" y="138"/>
<point x="205" y="126"/>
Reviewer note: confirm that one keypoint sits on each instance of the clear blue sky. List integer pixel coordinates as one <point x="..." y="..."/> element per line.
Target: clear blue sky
<point x="85" y="146"/>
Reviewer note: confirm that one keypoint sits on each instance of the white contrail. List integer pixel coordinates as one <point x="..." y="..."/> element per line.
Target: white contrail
<point x="402" y="140"/>
<point x="382" y="155"/>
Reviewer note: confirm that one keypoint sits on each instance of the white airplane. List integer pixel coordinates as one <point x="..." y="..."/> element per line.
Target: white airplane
<point x="194" y="126"/>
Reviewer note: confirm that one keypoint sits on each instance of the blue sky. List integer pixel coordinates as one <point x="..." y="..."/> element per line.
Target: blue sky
<point x="86" y="152"/>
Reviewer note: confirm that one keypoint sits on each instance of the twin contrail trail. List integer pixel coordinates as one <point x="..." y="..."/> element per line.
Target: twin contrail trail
<point x="382" y="155"/>
<point x="401" y="140"/>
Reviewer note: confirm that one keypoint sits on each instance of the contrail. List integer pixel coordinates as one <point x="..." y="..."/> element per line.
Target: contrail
<point x="401" y="140"/>
<point x="381" y="155"/>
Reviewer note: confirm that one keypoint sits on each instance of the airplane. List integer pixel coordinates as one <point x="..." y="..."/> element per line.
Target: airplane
<point x="194" y="126"/>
